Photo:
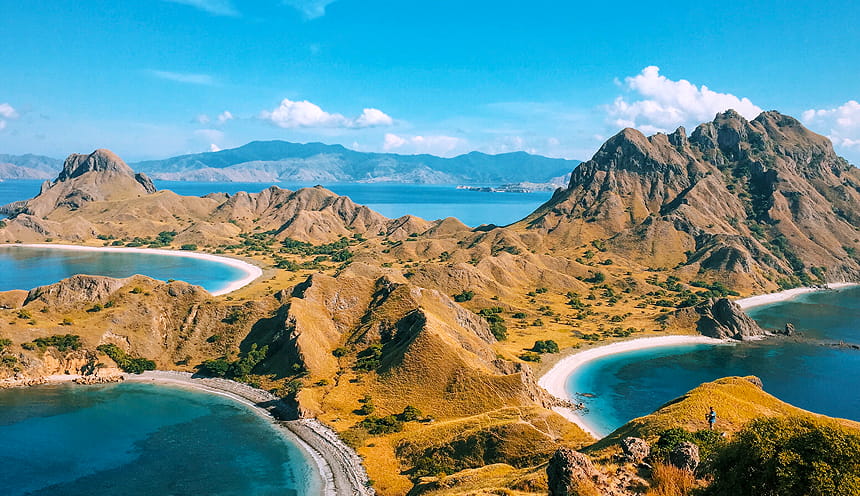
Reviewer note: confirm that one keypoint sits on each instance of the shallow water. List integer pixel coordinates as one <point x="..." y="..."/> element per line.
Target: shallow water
<point x="142" y="439"/>
<point x="820" y="379"/>
<point x="26" y="268"/>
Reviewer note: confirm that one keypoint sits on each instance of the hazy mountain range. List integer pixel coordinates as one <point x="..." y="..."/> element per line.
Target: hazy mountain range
<point x="282" y="161"/>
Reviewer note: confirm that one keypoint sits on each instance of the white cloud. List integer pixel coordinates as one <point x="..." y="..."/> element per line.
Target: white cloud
<point x="6" y="112"/>
<point x="214" y="148"/>
<point x="371" y="117"/>
<point x="311" y="9"/>
<point x="217" y="7"/>
<point x="291" y="114"/>
<point x="184" y="77"/>
<point x="434" y="145"/>
<point x="664" y="104"/>
<point x="224" y="117"/>
<point x="202" y="119"/>
<point x="840" y="124"/>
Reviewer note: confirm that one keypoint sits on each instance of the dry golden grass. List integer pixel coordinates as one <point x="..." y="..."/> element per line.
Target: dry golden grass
<point x="669" y="480"/>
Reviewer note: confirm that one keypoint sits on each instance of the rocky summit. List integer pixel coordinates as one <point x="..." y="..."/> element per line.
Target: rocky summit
<point x="763" y="203"/>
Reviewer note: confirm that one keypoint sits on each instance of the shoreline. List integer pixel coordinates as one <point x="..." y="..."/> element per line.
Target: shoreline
<point x="251" y="272"/>
<point x="555" y="379"/>
<point x="788" y="294"/>
<point x="340" y="469"/>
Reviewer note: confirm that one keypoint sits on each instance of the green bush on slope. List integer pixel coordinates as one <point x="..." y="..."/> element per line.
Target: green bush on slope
<point x="789" y="456"/>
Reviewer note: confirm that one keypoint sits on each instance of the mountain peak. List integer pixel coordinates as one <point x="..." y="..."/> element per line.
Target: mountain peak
<point x="100" y="160"/>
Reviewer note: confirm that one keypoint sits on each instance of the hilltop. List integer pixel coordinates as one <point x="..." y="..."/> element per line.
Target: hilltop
<point x="366" y="320"/>
<point x="759" y="203"/>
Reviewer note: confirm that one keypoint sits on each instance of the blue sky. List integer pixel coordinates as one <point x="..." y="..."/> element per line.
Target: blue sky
<point x="156" y="78"/>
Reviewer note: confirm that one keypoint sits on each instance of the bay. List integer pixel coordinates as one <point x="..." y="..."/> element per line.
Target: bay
<point x="142" y="439"/>
<point x="810" y="376"/>
<point x="429" y="202"/>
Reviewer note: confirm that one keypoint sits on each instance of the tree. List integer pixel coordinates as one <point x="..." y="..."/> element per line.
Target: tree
<point x="789" y="456"/>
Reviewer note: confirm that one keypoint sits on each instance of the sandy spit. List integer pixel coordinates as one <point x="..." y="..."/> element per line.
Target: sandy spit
<point x="251" y="271"/>
<point x="766" y="299"/>
<point x="554" y="379"/>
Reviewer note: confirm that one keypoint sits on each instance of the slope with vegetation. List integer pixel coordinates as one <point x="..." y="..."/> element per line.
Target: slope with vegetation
<point x="417" y="340"/>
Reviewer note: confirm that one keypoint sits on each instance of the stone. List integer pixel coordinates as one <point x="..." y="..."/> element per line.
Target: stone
<point x="685" y="456"/>
<point x="569" y="470"/>
<point x="722" y="318"/>
<point x="789" y="329"/>
<point x="635" y="449"/>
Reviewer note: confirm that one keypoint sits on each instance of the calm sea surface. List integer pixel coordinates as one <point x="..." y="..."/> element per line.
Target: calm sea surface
<point x="141" y="439"/>
<point x="26" y="268"/>
<point x="429" y="202"/>
<point x="817" y="378"/>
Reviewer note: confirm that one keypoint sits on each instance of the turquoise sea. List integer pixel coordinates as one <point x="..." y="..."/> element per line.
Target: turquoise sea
<point x="142" y="439"/>
<point x="26" y="268"/>
<point x="429" y="202"/>
<point x="813" y="377"/>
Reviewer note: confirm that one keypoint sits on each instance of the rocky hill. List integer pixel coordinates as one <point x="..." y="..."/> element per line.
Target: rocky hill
<point x="758" y="203"/>
<point x="282" y="161"/>
<point x="28" y="166"/>
<point x="366" y="320"/>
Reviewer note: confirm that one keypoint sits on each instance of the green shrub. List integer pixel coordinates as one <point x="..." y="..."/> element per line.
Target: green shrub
<point x="124" y="361"/>
<point x="188" y="247"/>
<point x="464" y="296"/>
<point x="369" y="358"/>
<point x="62" y="342"/>
<point x="545" y="346"/>
<point x="4" y="343"/>
<point x="788" y="456"/>
<point x="340" y="351"/>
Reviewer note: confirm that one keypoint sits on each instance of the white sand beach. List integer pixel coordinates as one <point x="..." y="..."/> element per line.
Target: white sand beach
<point x="766" y="299"/>
<point x="554" y="379"/>
<point x="250" y="271"/>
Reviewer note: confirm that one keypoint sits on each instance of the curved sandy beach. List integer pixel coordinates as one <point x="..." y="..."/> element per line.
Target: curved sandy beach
<point x="250" y="271"/>
<point x="767" y="299"/>
<point x="554" y="379"/>
<point x="339" y="467"/>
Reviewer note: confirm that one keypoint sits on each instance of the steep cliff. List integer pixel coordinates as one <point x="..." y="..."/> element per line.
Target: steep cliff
<point x="759" y="202"/>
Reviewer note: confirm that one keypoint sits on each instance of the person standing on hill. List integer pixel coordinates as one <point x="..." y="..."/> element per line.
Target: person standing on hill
<point x="711" y="417"/>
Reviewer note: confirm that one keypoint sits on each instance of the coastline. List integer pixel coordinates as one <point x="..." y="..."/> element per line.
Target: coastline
<point x="340" y="469"/>
<point x="251" y="272"/>
<point x="767" y="299"/>
<point x="555" y="379"/>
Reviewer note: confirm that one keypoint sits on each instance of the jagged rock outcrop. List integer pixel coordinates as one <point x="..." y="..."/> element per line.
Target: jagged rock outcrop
<point x="722" y="318"/>
<point x="635" y="449"/>
<point x="75" y="291"/>
<point x="99" y="176"/>
<point x="750" y="201"/>
<point x="685" y="456"/>
<point x="571" y="473"/>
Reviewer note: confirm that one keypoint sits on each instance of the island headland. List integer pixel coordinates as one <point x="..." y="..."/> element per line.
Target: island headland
<point x="417" y="340"/>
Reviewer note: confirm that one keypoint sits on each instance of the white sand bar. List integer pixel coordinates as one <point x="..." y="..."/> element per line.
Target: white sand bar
<point x="555" y="379"/>
<point x="249" y="270"/>
<point x="767" y="299"/>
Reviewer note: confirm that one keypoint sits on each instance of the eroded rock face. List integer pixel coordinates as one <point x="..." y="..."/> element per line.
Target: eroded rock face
<point x="635" y="449"/>
<point x="75" y="290"/>
<point x="723" y="319"/>
<point x="570" y="470"/>
<point x="685" y="456"/>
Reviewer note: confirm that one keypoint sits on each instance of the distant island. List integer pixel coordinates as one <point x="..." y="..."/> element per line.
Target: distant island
<point x="283" y="161"/>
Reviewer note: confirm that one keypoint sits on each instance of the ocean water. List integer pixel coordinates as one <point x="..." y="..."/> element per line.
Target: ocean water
<point x="26" y="268"/>
<point x="142" y="439"/>
<point x="813" y="377"/>
<point x="429" y="202"/>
